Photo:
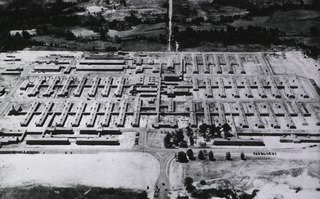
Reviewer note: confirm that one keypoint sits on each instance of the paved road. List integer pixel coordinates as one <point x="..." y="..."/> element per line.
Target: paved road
<point x="170" y="24"/>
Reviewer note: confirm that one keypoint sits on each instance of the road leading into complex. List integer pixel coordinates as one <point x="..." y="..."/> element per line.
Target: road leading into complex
<point x="170" y="24"/>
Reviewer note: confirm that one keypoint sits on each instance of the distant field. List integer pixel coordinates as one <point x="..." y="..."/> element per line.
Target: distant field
<point x="264" y="3"/>
<point x="191" y="9"/>
<point x="3" y="3"/>
<point x="149" y="20"/>
<point x="292" y="22"/>
<point x="145" y="3"/>
<point x="143" y="45"/>
<point x="143" y="29"/>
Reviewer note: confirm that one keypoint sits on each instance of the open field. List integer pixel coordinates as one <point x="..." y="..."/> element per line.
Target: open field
<point x="140" y="30"/>
<point x="143" y="45"/>
<point x="291" y="22"/>
<point x="3" y="2"/>
<point x="132" y="170"/>
<point x="273" y="177"/>
<point x="204" y="9"/>
<point x="146" y="3"/>
<point x="295" y="63"/>
<point x="142" y="25"/>
<point x="155" y="139"/>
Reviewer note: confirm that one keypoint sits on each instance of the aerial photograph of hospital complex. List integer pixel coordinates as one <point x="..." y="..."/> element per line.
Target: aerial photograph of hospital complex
<point x="168" y="99"/>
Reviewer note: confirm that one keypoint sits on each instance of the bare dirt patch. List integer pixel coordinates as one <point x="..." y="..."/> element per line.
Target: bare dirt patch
<point x="273" y="177"/>
<point x="128" y="170"/>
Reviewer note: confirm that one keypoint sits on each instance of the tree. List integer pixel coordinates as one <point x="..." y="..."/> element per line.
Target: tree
<point x="188" y="181"/>
<point x="142" y="195"/>
<point x="189" y="131"/>
<point x="117" y="39"/>
<point x="212" y="130"/>
<point x="315" y="4"/>
<point x="314" y="31"/>
<point x="203" y="145"/>
<point x="190" y="188"/>
<point x="188" y="184"/>
<point x="17" y="36"/>
<point x="102" y="34"/>
<point x="201" y="155"/>
<point x="25" y="34"/>
<point x="69" y="35"/>
<point x="228" y="156"/>
<point x="226" y="128"/>
<point x="175" y="30"/>
<point x="59" y="2"/>
<point x="203" y="182"/>
<point x="42" y="30"/>
<point x="242" y="156"/>
<point x="211" y="156"/>
<point x="167" y="140"/>
<point x="179" y="135"/>
<point x="182" y="157"/>
<point x="218" y="130"/>
<point x="190" y="154"/>
<point x="301" y="3"/>
<point x="123" y="2"/>
<point x="191" y="141"/>
<point x="203" y="127"/>
<point x="183" y="144"/>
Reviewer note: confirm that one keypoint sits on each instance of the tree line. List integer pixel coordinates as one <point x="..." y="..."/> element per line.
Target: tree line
<point x="184" y="157"/>
<point x="177" y="138"/>
<point x="231" y="35"/>
<point x="18" y="41"/>
<point x="256" y="9"/>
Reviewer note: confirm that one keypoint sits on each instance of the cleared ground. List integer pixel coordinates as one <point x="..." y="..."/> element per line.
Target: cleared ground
<point x="129" y="170"/>
<point x="155" y="139"/>
<point x="294" y="63"/>
<point x="280" y="177"/>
